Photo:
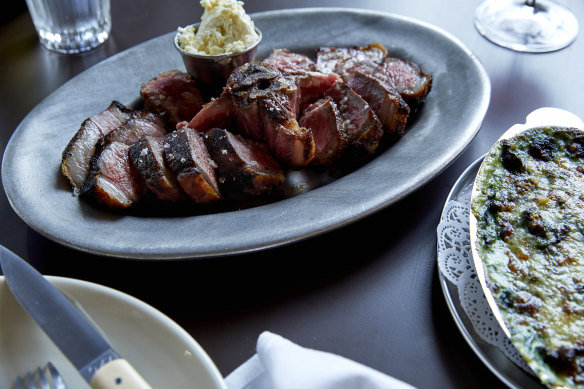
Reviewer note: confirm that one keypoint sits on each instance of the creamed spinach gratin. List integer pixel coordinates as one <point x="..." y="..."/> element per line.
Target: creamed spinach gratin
<point x="530" y="236"/>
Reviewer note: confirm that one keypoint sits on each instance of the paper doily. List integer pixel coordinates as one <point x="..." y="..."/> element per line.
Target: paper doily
<point x="456" y="264"/>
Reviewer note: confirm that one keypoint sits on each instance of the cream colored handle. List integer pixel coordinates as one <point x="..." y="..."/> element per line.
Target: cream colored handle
<point x="118" y="374"/>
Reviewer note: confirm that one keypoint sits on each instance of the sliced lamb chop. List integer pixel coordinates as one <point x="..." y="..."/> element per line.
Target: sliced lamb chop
<point x="173" y="95"/>
<point x="187" y="158"/>
<point x="243" y="164"/>
<point x="361" y="125"/>
<point x="265" y="105"/>
<point x="78" y="153"/>
<point x="324" y="120"/>
<point x="407" y="78"/>
<point x="112" y="181"/>
<point x="385" y="101"/>
<point x="146" y="155"/>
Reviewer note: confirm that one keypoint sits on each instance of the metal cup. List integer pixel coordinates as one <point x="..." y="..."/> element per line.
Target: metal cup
<point x="212" y="71"/>
<point x="71" y="26"/>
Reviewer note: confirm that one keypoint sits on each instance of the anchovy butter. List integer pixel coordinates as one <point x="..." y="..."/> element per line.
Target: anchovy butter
<point x="225" y="28"/>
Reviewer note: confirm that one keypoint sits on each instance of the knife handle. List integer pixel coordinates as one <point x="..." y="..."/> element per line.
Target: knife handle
<point x="118" y="374"/>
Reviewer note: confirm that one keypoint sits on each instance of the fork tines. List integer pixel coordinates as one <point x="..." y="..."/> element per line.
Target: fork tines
<point x="41" y="378"/>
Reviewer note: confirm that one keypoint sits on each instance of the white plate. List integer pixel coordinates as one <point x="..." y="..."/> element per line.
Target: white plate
<point x="449" y="120"/>
<point x="165" y="354"/>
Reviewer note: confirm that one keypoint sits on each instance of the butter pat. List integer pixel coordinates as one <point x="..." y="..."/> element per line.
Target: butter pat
<point x="225" y="28"/>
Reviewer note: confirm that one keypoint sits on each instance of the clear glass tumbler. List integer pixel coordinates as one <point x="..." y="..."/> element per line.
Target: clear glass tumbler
<point x="71" y="26"/>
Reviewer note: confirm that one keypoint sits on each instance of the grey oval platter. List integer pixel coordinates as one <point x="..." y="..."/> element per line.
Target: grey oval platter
<point x="449" y="120"/>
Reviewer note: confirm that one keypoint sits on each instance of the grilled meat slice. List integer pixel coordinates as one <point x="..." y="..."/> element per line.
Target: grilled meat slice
<point x="173" y="95"/>
<point x="112" y="117"/>
<point x="402" y="75"/>
<point x="243" y="164"/>
<point x="265" y="104"/>
<point x="254" y="82"/>
<point x="247" y="88"/>
<point x="407" y="78"/>
<point x="140" y="124"/>
<point x="218" y="113"/>
<point x="262" y="104"/>
<point x="313" y="85"/>
<point x="342" y="59"/>
<point x="187" y="158"/>
<point x="290" y="63"/>
<point x="302" y="71"/>
<point x="358" y="67"/>
<point x="112" y="181"/>
<point x="327" y="58"/>
<point x="363" y="128"/>
<point x="146" y="156"/>
<point x="385" y="101"/>
<point x="290" y="143"/>
<point x="81" y="148"/>
<point x="324" y="120"/>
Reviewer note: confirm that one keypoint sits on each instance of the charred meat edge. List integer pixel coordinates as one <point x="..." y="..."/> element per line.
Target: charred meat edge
<point x="111" y="172"/>
<point x="187" y="158"/>
<point x="77" y="155"/>
<point x="242" y="163"/>
<point x="147" y="157"/>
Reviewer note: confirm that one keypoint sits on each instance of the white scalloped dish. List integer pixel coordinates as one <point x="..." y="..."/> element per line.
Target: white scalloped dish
<point x="527" y="241"/>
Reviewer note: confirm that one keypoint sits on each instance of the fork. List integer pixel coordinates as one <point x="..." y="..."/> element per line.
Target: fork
<point x="42" y="378"/>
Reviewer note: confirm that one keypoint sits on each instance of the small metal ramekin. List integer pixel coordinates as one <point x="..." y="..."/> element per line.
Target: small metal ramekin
<point x="211" y="71"/>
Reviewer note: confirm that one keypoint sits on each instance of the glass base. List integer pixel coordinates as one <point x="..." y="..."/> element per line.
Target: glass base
<point x="542" y="27"/>
<point x="75" y="42"/>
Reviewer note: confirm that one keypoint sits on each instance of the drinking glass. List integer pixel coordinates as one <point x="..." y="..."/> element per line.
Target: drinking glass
<point x="534" y="26"/>
<point x="71" y="26"/>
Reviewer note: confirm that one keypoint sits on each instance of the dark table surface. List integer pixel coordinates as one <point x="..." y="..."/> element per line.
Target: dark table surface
<point x="378" y="303"/>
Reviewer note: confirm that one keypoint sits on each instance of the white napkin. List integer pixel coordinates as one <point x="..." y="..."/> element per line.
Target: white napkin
<point x="281" y="364"/>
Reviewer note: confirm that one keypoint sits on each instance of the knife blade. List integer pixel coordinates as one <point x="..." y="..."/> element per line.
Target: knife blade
<point x="95" y="359"/>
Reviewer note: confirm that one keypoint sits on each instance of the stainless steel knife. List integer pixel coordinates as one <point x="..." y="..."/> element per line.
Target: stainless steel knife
<point x="95" y="359"/>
